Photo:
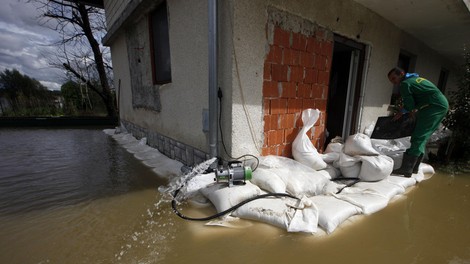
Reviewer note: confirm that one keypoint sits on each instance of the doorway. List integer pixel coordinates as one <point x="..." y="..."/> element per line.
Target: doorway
<point x="344" y="88"/>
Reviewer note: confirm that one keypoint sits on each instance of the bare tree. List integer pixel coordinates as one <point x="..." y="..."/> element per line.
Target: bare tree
<point x="79" y="49"/>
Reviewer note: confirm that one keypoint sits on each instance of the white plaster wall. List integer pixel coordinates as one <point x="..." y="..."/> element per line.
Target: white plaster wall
<point x="182" y="100"/>
<point x="343" y="17"/>
<point x="122" y="78"/>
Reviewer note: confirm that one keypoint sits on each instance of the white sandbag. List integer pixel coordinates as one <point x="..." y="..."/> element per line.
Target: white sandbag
<point x="286" y="213"/>
<point x="224" y="197"/>
<point x="359" y="144"/>
<point x="350" y="167"/>
<point x="300" y="180"/>
<point x="268" y="180"/>
<point x="334" y="147"/>
<point x="383" y="188"/>
<point x="368" y="201"/>
<point x="330" y="157"/>
<point x="375" y="168"/>
<point x="404" y="182"/>
<point x="332" y="211"/>
<point x="302" y="148"/>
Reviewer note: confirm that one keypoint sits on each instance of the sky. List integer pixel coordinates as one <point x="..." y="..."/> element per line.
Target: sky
<point x="25" y="43"/>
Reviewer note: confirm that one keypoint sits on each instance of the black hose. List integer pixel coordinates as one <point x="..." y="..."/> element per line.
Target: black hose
<point x="233" y="208"/>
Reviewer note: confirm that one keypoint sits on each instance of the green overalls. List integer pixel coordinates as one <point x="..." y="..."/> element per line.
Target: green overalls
<point x="421" y="94"/>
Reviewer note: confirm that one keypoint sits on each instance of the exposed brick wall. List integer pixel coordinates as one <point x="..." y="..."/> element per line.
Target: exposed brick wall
<point x="296" y="75"/>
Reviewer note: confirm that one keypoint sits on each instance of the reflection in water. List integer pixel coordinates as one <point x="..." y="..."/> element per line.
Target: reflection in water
<point x="76" y="196"/>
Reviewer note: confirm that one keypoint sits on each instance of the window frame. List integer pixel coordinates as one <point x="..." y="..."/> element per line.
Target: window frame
<point x="160" y="44"/>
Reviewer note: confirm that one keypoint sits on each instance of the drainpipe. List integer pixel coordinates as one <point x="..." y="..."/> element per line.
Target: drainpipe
<point x="213" y="77"/>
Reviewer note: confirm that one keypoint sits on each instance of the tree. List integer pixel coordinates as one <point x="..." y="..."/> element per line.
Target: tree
<point x="80" y="26"/>
<point x="458" y="118"/>
<point x="25" y="96"/>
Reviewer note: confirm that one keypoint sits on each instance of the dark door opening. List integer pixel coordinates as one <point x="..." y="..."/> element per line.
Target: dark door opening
<point x="344" y="89"/>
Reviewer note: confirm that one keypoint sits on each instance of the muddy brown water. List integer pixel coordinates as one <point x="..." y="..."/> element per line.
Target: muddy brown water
<point x="76" y="196"/>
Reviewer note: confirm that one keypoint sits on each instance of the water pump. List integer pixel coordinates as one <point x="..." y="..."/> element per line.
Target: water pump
<point x="232" y="173"/>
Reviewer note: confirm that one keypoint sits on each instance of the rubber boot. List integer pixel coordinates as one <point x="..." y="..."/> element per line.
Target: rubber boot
<point x="418" y="161"/>
<point x="407" y="166"/>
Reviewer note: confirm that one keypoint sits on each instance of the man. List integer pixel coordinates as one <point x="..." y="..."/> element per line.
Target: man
<point x="424" y="101"/>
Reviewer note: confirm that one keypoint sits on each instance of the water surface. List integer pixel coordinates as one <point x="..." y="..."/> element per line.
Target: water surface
<point x="76" y="196"/>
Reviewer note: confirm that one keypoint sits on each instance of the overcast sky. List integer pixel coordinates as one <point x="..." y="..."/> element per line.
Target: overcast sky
<point x="24" y="43"/>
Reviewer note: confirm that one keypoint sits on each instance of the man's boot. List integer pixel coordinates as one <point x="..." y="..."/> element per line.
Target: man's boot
<point x="418" y="161"/>
<point x="407" y="166"/>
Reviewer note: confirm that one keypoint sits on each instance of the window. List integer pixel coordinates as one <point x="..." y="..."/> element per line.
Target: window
<point x="160" y="43"/>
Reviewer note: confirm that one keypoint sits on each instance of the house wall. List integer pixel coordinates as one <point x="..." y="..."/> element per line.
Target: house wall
<point x="346" y="18"/>
<point x="254" y="82"/>
<point x="172" y="119"/>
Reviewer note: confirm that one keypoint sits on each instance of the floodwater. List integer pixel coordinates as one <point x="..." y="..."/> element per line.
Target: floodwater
<point x="77" y="196"/>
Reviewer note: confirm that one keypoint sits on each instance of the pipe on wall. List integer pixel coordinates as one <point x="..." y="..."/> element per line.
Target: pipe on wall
<point x="213" y="80"/>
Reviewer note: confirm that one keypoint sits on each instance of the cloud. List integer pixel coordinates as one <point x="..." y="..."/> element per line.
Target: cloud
<point x="25" y="44"/>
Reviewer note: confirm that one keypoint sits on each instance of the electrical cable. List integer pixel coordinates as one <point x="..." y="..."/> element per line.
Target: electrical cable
<point x="233" y="208"/>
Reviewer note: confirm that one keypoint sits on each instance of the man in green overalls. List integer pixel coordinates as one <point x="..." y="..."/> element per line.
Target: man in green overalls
<point x="424" y="101"/>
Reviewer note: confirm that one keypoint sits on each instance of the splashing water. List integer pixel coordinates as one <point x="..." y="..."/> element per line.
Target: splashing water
<point x="177" y="183"/>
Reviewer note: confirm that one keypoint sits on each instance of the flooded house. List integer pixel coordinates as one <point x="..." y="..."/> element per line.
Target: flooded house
<point x="201" y="79"/>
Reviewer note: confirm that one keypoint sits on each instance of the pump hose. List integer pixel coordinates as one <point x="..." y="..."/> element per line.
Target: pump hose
<point x="233" y="208"/>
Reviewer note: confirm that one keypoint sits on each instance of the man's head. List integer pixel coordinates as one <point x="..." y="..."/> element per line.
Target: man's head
<point x="396" y="75"/>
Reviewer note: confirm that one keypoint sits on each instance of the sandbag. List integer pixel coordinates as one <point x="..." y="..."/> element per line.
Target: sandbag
<point x="224" y="197"/>
<point x="302" y="147"/>
<point x="368" y="201"/>
<point x="375" y="168"/>
<point x="286" y="213"/>
<point x="350" y="167"/>
<point x="332" y="211"/>
<point x="300" y="180"/>
<point x="359" y="144"/>
<point x="268" y="180"/>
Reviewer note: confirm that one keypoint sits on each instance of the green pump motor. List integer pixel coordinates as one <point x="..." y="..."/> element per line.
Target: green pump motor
<point x="233" y="173"/>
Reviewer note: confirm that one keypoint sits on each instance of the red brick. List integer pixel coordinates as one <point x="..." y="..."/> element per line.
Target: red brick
<point x="299" y="41"/>
<point x="289" y="89"/>
<point x="290" y="134"/>
<point x="275" y="137"/>
<point x="311" y="44"/>
<point x="266" y="106"/>
<point x="274" y="55"/>
<point x="279" y="72"/>
<point x="298" y="119"/>
<point x="317" y="91"/>
<point x="323" y="77"/>
<point x="291" y="57"/>
<point x="304" y="90"/>
<point x="311" y="76"/>
<point x="294" y="105"/>
<point x="271" y="122"/>
<point x="286" y="150"/>
<point x="278" y="106"/>
<point x="327" y="48"/>
<point x="296" y="74"/>
<point x="267" y="71"/>
<point x="320" y="104"/>
<point x="320" y="63"/>
<point x="307" y="59"/>
<point x="287" y="121"/>
<point x="265" y="151"/>
<point x="308" y="103"/>
<point x="281" y="37"/>
<point x="270" y="89"/>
